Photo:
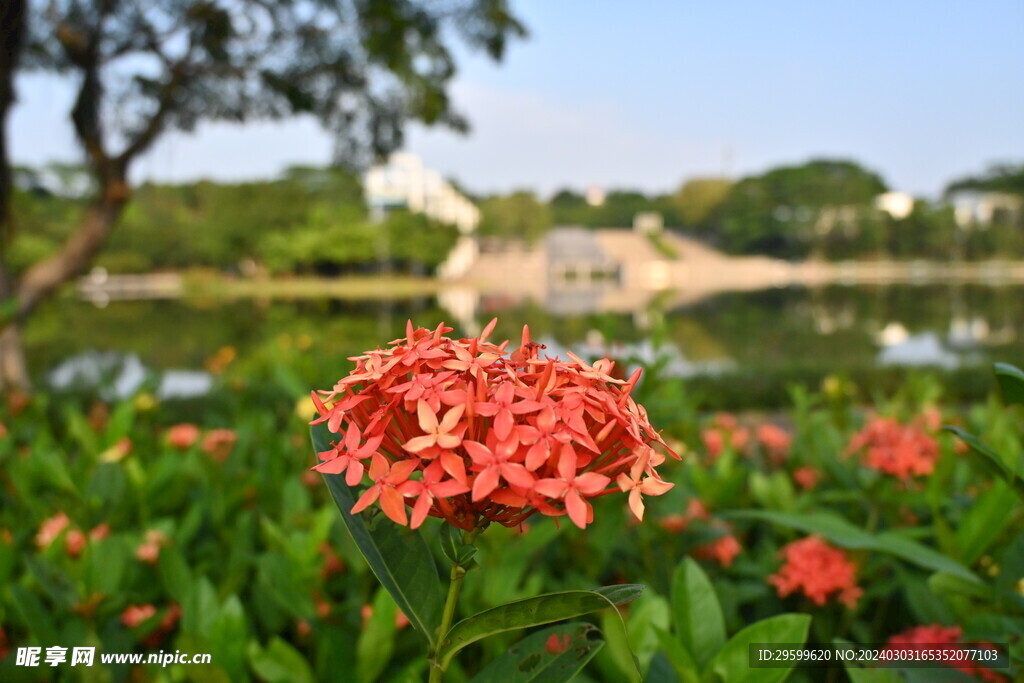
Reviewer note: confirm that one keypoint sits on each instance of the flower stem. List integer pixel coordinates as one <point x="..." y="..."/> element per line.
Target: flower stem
<point x="448" y="616"/>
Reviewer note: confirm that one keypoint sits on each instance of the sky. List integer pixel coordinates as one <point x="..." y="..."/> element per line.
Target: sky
<point x="646" y="94"/>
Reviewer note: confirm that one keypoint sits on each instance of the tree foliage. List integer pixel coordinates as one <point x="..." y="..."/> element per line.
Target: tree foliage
<point x="782" y="211"/>
<point x="698" y="201"/>
<point x="1008" y="178"/>
<point x="310" y="220"/>
<point x="518" y="216"/>
<point x="361" y="67"/>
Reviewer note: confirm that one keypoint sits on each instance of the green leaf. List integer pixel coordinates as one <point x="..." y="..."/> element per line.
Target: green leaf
<point x="650" y="611"/>
<point x="377" y="639"/>
<point x="399" y="557"/>
<point x="453" y="548"/>
<point x="279" y="662"/>
<point x="229" y="632"/>
<point x="700" y="625"/>
<point x="1011" y="383"/>
<point x="681" y="660"/>
<point x="34" y="616"/>
<point x="54" y="582"/>
<point x="990" y="461"/>
<point x="942" y="583"/>
<point x="617" y="661"/>
<point x="732" y="663"/>
<point x="543" y="609"/>
<point x="843" y="533"/>
<point x="984" y="522"/>
<point x="531" y="661"/>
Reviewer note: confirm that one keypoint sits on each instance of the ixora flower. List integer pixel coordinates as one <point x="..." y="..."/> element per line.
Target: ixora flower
<point x="932" y="635"/>
<point x="819" y="570"/>
<point x="903" y="451"/>
<point x="464" y="430"/>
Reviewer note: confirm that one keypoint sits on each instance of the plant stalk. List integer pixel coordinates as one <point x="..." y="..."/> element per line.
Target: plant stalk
<point x="448" y="616"/>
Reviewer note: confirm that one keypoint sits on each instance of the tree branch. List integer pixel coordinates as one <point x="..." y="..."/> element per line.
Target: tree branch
<point x="76" y="253"/>
<point x="155" y="125"/>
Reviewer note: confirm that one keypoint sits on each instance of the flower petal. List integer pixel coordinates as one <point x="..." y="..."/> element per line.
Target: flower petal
<point x="577" y="508"/>
<point x="484" y="483"/>
<point x="420" y="443"/>
<point x="393" y="505"/>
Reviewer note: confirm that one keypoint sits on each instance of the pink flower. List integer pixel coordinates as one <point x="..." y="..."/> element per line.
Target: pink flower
<point x="465" y="431"/>
<point x="775" y="440"/>
<point x="149" y="551"/>
<point x="806" y="477"/>
<point x="723" y="550"/>
<point x="134" y="615"/>
<point x="183" y="436"/>
<point x="575" y="488"/>
<point x="50" y="529"/>
<point x="218" y="443"/>
<point x="74" y="543"/>
<point x="636" y="484"/>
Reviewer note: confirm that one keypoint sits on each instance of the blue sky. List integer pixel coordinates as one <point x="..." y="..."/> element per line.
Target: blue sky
<point x="646" y="94"/>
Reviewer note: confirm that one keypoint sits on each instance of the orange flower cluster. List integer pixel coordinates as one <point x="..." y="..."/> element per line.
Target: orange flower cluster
<point x="468" y="432"/>
<point x="723" y="550"/>
<point x="901" y="450"/>
<point x="725" y="430"/>
<point x="936" y="634"/>
<point x="775" y="440"/>
<point x="819" y="570"/>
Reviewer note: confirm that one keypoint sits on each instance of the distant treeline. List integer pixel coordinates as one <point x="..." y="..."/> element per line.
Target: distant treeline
<point x="315" y="221"/>
<point x="309" y="221"/>
<point x="824" y="208"/>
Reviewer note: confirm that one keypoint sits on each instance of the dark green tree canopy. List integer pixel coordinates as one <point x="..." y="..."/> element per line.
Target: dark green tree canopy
<point x="775" y="213"/>
<point x="362" y="67"/>
<point x="1007" y="178"/>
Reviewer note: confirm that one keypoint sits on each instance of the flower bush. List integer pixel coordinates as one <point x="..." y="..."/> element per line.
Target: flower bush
<point x="466" y="431"/>
<point x="248" y="553"/>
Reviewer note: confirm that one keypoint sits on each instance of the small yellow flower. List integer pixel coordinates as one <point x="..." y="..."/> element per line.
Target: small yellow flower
<point x="144" y="402"/>
<point x="305" y="409"/>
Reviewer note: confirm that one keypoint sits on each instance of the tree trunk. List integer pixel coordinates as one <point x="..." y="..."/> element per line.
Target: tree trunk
<point x="76" y="254"/>
<point x="13" y="370"/>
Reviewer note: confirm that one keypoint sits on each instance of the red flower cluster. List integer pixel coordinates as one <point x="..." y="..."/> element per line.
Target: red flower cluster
<point x="465" y="431"/>
<point x="936" y="634"/>
<point x="723" y="550"/>
<point x="725" y="430"/>
<point x="806" y="477"/>
<point x="817" y="569"/>
<point x="901" y="450"/>
<point x="775" y="440"/>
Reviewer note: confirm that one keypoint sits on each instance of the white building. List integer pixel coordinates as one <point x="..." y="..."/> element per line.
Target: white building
<point x="974" y="208"/>
<point x="404" y="182"/>
<point x="899" y="205"/>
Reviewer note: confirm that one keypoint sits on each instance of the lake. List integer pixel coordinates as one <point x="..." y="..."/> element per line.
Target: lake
<point x="760" y="340"/>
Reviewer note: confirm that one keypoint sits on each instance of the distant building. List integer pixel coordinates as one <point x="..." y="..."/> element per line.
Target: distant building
<point x="648" y="223"/>
<point x="594" y="196"/>
<point x="899" y="205"/>
<point x="978" y="209"/>
<point x="404" y="183"/>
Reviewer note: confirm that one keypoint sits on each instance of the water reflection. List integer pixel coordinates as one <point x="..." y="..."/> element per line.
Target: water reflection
<point x="116" y="375"/>
<point x="778" y="332"/>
